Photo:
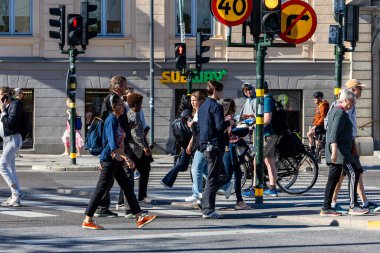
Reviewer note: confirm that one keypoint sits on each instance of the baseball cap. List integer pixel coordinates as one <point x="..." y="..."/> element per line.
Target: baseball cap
<point x="353" y="83"/>
<point x="18" y="91"/>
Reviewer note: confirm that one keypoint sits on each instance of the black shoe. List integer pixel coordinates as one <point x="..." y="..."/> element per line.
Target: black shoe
<point x="105" y="213"/>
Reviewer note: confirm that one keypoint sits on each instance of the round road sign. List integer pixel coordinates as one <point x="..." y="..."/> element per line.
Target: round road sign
<point x="231" y="12"/>
<point x="298" y="22"/>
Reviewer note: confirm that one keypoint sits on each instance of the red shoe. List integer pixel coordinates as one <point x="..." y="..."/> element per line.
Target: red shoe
<point x="145" y="220"/>
<point x="91" y="225"/>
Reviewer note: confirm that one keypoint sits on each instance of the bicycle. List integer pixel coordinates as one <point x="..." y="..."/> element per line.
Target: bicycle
<point x="297" y="174"/>
<point x="320" y="143"/>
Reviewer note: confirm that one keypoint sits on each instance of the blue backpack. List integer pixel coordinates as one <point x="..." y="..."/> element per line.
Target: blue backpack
<point x="93" y="142"/>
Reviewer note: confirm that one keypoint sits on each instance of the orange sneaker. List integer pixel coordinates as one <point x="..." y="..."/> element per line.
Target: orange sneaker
<point x="91" y="225"/>
<point x="145" y="220"/>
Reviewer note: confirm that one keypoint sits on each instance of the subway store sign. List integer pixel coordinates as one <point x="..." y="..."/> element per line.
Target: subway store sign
<point x="175" y="77"/>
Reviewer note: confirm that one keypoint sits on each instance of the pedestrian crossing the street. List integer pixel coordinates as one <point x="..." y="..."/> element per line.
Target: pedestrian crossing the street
<point x="168" y="202"/>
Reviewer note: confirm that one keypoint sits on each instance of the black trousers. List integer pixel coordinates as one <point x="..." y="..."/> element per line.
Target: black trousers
<point x="333" y="179"/>
<point x="142" y="166"/>
<point x="215" y="165"/>
<point x="111" y="170"/>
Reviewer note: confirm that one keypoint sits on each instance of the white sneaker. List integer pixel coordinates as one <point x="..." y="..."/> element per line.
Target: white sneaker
<point x="16" y="198"/>
<point x="191" y="199"/>
<point x="200" y="195"/>
<point x="377" y="209"/>
<point x="146" y="200"/>
<point x="120" y="207"/>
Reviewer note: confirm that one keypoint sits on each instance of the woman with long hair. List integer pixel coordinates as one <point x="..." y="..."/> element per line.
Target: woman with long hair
<point x="230" y="160"/>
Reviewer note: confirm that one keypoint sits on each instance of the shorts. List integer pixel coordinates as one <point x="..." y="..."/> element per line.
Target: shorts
<point x="356" y="165"/>
<point x="270" y="145"/>
<point x="319" y="130"/>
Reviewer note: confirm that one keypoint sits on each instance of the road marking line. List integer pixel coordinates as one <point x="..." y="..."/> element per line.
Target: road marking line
<point x="22" y="213"/>
<point x="182" y="234"/>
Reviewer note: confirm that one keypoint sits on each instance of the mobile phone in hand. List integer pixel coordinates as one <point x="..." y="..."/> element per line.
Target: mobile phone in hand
<point x="4" y="98"/>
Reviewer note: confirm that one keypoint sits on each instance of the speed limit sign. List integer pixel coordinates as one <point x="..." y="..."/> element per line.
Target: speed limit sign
<point x="231" y="12"/>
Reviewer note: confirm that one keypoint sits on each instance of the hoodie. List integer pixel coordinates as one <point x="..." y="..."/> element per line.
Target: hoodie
<point x="250" y="104"/>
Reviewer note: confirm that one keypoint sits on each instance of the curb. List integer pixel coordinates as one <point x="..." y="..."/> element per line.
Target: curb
<point x="362" y="222"/>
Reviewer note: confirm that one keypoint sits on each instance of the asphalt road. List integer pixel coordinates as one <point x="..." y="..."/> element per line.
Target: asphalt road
<point x="51" y="215"/>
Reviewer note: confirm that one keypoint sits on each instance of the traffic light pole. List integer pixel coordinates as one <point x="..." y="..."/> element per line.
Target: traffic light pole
<point x="189" y="82"/>
<point x="71" y="90"/>
<point x="261" y="48"/>
<point x="339" y="57"/>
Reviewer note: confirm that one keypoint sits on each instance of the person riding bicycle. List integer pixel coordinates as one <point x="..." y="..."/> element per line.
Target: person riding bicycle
<point x="321" y="109"/>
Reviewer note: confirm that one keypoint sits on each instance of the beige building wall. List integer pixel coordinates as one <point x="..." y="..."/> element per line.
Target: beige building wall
<point x="312" y="70"/>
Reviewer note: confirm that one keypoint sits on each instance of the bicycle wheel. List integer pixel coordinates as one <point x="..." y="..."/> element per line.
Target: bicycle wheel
<point x="297" y="174"/>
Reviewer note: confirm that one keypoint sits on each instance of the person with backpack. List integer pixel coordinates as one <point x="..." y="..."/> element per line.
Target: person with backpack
<point x="182" y="134"/>
<point x="112" y="159"/>
<point x="321" y="109"/>
<point x="271" y="107"/>
<point x="118" y="87"/>
<point x="11" y="122"/>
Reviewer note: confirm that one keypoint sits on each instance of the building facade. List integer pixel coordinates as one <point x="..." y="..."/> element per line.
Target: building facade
<point x="30" y="59"/>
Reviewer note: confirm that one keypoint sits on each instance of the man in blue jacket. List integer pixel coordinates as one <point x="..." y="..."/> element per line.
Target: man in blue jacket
<point x="211" y="141"/>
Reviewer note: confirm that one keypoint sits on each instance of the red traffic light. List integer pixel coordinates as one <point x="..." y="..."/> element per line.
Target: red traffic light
<point x="180" y="50"/>
<point x="75" y="22"/>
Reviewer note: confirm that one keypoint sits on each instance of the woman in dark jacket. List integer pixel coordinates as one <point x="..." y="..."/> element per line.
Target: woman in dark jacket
<point x="112" y="160"/>
<point x="10" y="126"/>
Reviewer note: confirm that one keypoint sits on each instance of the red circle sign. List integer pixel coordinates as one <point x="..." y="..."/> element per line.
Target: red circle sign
<point x="298" y="22"/>
<point x="231" y="12"/>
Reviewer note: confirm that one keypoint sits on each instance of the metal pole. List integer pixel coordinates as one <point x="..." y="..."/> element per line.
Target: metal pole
<point x="259" y="131"/>
<point x="181" y="21"/>
<point x="151" y="73"/>
<point x="71" y="93"/>
<point x="339" y="56"/>
<point x="189" y="82"/>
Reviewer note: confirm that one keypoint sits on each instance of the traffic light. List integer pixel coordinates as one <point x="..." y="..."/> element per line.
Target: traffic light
<point x="61" y="12"/>
<point x="88" y="32"/>
<point x="200" y="49"/>
<point x="74" y="29"/>
<point x="351" y="23"/>
<point x="255" y="20"/>
<point x="180" y="56"/>
<point x="271" y="16"/>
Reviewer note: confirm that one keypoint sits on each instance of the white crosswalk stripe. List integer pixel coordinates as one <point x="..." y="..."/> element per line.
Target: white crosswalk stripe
<point x="182" y="189"/>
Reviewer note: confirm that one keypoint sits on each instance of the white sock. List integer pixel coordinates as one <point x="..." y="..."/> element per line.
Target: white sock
<point x="333" y="204"/>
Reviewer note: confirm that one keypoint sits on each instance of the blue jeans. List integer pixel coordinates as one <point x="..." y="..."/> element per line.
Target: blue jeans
<point x="181" y="165"/>
<point x="198" y="170"/>
<point x="231" y="166"/>
<point x="11" y="145"/>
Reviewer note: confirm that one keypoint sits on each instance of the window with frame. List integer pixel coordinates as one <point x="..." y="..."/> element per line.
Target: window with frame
<point x="15" y="17"/>
<point x="109" y="16"/>
<point x="196" y="16"/>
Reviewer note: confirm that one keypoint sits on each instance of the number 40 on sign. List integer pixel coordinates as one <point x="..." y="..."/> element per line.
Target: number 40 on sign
<point x="231" y="12"/>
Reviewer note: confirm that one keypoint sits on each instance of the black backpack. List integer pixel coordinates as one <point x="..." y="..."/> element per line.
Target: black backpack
<point x="289" y="145"/>
<point x="94" y="139"/>
<point x="279" y="120"/>
<point x="181" y="132"/>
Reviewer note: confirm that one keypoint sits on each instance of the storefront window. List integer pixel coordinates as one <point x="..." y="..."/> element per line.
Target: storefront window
<point x="93" y="104"/>
<point x="197" y="17"/>
<point x="15" y="17"/>
<point x="292" y="102"/>
<point x="108" y="13"/>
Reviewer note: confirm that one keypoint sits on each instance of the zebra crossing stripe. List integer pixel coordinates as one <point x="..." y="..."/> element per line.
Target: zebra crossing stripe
<point x="22" y="213"/>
